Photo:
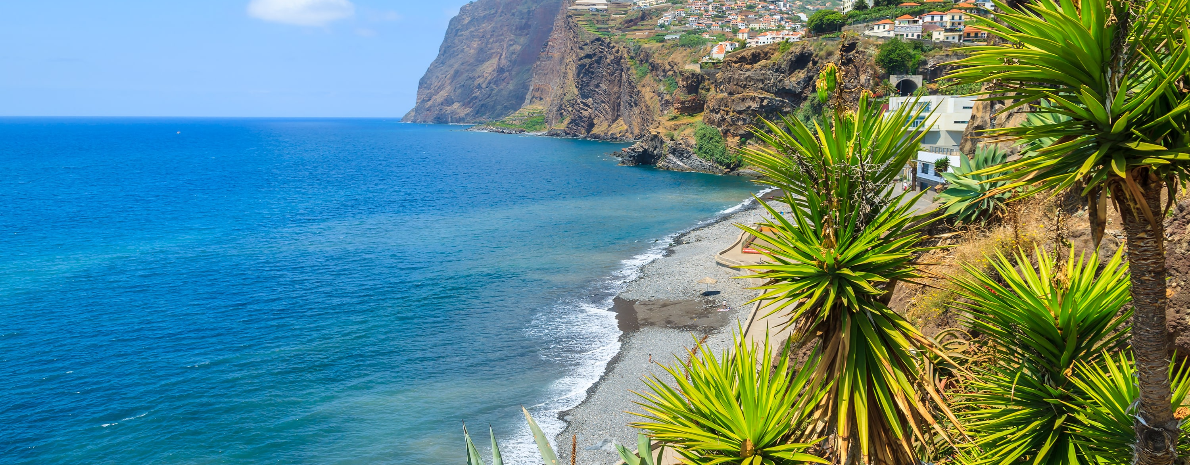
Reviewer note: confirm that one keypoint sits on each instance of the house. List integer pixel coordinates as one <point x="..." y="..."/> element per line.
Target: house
<point x="937" y="18"/>
<point x="882" y="28"/>
<point x="721" y="49"/>
<point x="972" y="34"/>
<point x="907" y="27"/>
<point x="592" y="5"/>
<point x="642" y="4"/>
<point x="744" y="34"/>
<point x="955" y="19"/>
<point x="947" y="122"/>
<point x="933" y="32"/>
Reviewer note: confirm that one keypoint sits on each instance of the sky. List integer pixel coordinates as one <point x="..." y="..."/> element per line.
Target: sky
<point x="235" y="58"/>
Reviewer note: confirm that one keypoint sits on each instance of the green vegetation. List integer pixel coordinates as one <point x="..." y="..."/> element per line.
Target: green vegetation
<point x="888" y="12"/>
<point x="641" y="70"/>
<point x="529" y="123"/>
<point x="1061" y="358"/>
<point x="669" y="84"/>
<point x="942" y="164"/>
<point x="734" y="410"/>
<point x="824" y="21"/>
<point x="1025" y="406"/>
<point x="836" y="259"/>
<point x="1116" y="73"/>
<point x="897" y="57"/>
<point x="710" y="146"/>
<point x="971" y="197"/>
<point x="692" y="40"/>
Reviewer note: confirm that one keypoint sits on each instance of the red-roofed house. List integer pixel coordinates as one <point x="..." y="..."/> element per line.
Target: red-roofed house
<point x="937" y="18"/>
<point x="882" y="28"/>
<point x="907" y="27"/>
<point x="955" y="19"/>
<point x="971" y="34"/>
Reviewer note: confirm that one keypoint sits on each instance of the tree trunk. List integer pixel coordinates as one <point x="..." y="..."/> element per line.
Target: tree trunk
<point x="1156" y="427"/>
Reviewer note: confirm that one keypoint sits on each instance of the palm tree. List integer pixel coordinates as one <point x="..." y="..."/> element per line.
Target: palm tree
<point x="832" y="269"/>
<point x="1117" y="70"/>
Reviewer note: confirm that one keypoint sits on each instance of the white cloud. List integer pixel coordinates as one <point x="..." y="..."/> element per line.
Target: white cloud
<point x="301" y="12"/>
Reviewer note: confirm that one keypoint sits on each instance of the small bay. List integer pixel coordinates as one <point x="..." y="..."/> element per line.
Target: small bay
<point x="310" y="290"/>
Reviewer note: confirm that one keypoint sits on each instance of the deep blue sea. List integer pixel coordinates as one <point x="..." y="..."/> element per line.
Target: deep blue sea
<point x="239" y="291"/>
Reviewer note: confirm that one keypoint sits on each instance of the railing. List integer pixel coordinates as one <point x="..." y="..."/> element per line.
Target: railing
<point x="940" y="150"/>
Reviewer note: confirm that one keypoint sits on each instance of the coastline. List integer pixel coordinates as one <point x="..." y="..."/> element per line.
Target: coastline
<point x="661" y="313"/>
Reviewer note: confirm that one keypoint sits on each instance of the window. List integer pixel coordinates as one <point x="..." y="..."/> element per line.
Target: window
<point x="925" y="168"/>
<point x="967" y="107"/>
<point x="960" y="122"/>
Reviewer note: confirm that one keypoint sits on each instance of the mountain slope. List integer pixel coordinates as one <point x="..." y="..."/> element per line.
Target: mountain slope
<point x="485" y="63"/>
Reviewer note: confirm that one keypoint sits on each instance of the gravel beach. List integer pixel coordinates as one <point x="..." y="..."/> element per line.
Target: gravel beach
<point x="661" y="313"/>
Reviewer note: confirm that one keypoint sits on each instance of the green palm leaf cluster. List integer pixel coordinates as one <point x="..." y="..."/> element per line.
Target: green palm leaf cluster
<point x="832" y="267"/>
<point x="737" y="409"/>
<point x="973" y="197"/>
<point x="1108" y="409"/>
<point x="643" y="456"/>
<point x="1039" y="322"/>
<point x="1114" y="70"/>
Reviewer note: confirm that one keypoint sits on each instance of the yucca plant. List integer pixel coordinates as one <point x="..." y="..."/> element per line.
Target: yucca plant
<point x="1107" y="407"/>
<point x="833" y="265"/>
<point x="1117" y="69"/>
<point x="1039" y="322"/>
<point x="971" y="197"/>
<point x="737" y="409"/>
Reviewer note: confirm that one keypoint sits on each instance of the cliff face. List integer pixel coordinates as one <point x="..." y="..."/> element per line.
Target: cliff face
<point x="485" y="63"/>
<point x="765" y="83"/>
<point x="586" y="86"/>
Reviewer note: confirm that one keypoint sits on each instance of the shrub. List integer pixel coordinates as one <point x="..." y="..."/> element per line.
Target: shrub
<point x="823" y="21"/>
<point x="710" y="146"/>
<point x="897" y="57"/>
<point x="692" y="40"/>
<point x="970" y="197"/>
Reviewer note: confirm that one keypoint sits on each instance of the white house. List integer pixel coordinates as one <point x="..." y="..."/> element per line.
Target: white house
<point x="907" y="27"/>
<point x="641" y="4"/>
<point x="721" y="49"/>
<point x="882" y="28"/>
<point x="744" y="34"/>
<point x="593" y="5"/>
<point x="947" y="116"/>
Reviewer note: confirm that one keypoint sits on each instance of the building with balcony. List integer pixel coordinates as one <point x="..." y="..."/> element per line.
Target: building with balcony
<point x="946" y="118"/>
<point x="907" y="27"/>
<point x="882" y="28"/>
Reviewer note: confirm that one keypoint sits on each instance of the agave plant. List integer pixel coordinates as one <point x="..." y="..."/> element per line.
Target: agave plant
<point x="1040" y="323"/>
<point x="543" y="445"/>
<point x="1118" y="70"/>
<point x="640" y="457"/>
<point x="1107" y="407"/>
<point x="832" y="267"/>
<point x="737" y="409"/>
<point x="973" y="197"/>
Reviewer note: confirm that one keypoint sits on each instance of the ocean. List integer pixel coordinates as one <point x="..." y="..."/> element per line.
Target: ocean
<point x="311" y="291"/>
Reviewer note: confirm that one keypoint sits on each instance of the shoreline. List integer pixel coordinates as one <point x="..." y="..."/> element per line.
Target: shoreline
<point x="661" y="313"/>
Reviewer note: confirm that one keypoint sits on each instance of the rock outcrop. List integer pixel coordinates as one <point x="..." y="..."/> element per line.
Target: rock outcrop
<point x="586" y="85"/>
<point x="667" y="155"/>
<point x="763" y="82"/>
<point x="485" y="64"/>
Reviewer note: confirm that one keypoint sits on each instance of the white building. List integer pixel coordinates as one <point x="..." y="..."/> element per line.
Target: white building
<point x="592" y="5"/>
<point x="947" y="117"/>
<point x="907" y="27"/>
<point x="641" y="4"/>
<point x="721" y="49"/>
<point x="882" y="28"/>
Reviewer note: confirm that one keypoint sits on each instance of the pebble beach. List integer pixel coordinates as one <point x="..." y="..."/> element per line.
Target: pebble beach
<point x="662" y="313"/>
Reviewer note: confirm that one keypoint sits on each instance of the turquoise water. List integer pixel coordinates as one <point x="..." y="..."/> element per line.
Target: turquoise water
<point x="309" y="291"/>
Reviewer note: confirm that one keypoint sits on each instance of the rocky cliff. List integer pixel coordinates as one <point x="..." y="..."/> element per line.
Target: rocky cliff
<point x="586" y="85"/>
<point x="485" y="64"/>
<point x="535" y="66"/>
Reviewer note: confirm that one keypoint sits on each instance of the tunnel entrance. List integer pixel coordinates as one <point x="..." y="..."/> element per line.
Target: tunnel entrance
<point x="906" y="87"/>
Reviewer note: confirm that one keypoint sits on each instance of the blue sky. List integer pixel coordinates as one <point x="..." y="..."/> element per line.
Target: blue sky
<point x="217" y="57"/>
